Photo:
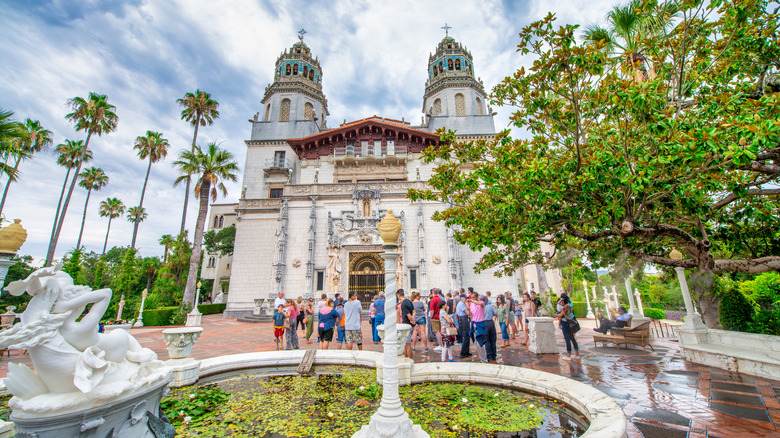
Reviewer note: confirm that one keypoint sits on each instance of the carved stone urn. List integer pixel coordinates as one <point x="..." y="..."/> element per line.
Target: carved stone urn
<point x="403" y="333"/>
<point x="181" y="340"/>
<point x="389" y="228"/>
<point x="12" y="238"/>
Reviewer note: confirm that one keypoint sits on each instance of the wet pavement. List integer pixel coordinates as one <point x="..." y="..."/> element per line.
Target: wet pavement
<point x="662" y="395"/>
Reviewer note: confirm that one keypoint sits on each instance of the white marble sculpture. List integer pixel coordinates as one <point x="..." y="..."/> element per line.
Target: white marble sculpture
<point x="75" y="366"/>
<point x="220" y="298"/>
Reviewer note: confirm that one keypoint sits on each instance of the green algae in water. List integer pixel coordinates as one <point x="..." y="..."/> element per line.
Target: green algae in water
<point x="337" y="405"/>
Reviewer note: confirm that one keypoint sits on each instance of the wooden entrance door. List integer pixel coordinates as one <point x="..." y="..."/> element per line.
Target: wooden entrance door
<point x="366" y="276"/>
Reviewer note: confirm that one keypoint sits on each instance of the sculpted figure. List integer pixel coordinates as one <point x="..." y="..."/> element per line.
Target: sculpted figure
<point x="74" y="364"/>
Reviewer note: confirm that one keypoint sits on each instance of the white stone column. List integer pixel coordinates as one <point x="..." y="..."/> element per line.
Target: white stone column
<point x="692" y="318"/>
<point x="632" y="309"/>
<point x="390" y="420"/>
<point x="590" y="314"/>
<point x="615" y="297"/>
<point x="194" y="317"/>
<point x="639" y="302"/>
<point x="140" y="321"/>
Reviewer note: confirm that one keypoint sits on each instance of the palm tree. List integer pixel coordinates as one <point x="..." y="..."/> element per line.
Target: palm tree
<point x="70" y="154"/>
<point x="111" y="208"/>
<point x="166" y="240"/>
<point x="136" y="214"/>
<point x="154" y="147"/>
<point x="628" y="26"/>
<point x="200" y="110"/>
<point x="212" y="167"/>
<point x="35" y="140"/>
<point x="11" y="133"/>
<point x="95" y="116"/>
<point x="91" y="179"/>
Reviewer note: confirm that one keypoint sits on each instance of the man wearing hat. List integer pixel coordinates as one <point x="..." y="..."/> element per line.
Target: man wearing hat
<point x="621" y="319"/>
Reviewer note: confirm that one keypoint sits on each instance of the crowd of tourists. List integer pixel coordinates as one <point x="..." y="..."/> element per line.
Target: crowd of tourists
<point x="452" y="320"/>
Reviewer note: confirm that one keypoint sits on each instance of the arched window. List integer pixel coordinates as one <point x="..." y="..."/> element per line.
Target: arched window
<point x="267" y="114"/>
<point x="212" y="262"/>
<point x="449" y="64"/>
<point x="308" y="111"/>
<point x="457" y="64"/>
<point x="216" y="221"/>
<point x="287" y="70"/>
<point x="311" y="74"/>
<point x="437" y="107"/>
<point x="284" y="111"/>
<point x="305" y="71"/>
<point x="435" y="71"/>
<point x="295" y="69"/>
<point x="221" y="221"/>
<point x="480" y="111"/>
<point x="460" y="105"/>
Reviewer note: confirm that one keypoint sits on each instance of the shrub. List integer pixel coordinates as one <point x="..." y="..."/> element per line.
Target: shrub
<point x="655" y="313"/>
<point x="210" y="309"/>
<point x="159" y="317"/>
<point x="766" y="322"/>
<point x="736" y="311"/>
<point x="579" y="308"/>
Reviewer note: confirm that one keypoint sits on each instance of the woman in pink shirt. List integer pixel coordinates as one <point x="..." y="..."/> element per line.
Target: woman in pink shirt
<point x="291" y="312"/>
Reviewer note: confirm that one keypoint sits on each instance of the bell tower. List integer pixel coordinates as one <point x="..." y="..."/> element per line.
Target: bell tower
<point x="293" y="105"/>
<point x="454" y="98"/>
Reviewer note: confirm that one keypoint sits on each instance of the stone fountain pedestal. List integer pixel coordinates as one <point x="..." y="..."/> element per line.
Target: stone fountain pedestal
<point x="404" y="363"/>
<point x="180" y="342"/>
<point x="127" y="417"/>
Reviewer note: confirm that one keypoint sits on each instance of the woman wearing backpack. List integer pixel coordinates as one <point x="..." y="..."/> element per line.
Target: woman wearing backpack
<point x="566" y="318"/>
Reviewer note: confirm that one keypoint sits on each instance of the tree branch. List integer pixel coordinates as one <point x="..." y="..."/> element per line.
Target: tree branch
<point x="752" y="192"/>
<point x="664" y="261"/>
<point x="751" y="266"/>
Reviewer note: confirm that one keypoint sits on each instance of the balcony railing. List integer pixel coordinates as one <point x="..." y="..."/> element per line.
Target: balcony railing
<point x="277" y="164"/>
<point x="369" y="151"/>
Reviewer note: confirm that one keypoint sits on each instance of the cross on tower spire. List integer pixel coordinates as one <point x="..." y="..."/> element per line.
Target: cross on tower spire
<point x="446" y="30"/>
<point x="301" y="33"/>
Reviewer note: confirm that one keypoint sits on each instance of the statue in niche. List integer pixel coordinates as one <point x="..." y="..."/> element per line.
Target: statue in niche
<point x="75" y="366"/>
<point x="334" y="266"/>
<point x="366" y="207"/>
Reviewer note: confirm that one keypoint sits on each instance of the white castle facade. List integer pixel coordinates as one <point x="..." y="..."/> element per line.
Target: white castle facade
<point x="313" y="195"/>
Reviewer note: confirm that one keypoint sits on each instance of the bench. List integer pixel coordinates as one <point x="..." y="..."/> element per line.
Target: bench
<point x="639" y="335"/>
<point x="737" y="352"/>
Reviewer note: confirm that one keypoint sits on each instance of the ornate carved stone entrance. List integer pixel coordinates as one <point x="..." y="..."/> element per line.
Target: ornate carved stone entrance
<point x="366" y="276"/>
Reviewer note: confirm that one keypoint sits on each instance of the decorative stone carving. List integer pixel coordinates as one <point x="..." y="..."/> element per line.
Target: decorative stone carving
<point x="402" y="330"/>
<point x="76" y="368"/>
<point x="258" y="306"/>
<point x="389" y="228"/>
<point x="181" y="340"/>
<point x="436" y="259"/>
<point x="296" y="263"/>
<point x="12" y="237"/>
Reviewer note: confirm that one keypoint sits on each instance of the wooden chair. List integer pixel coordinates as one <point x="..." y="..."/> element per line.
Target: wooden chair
<point x="639" y="335"/>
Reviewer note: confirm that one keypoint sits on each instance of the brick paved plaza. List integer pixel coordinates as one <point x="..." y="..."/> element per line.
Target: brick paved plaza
<point x="662" y="395"/>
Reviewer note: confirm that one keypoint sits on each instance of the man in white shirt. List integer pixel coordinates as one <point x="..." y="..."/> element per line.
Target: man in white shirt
<point x="352" y="313"/>
<point x="280" y="300"/>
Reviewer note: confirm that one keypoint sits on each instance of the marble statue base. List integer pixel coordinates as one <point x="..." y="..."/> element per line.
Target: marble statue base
<point x="127" y="417"/>
<point x="398" y="427"/>
<point x="541" y="335"/>
<point x="6" y="429"/>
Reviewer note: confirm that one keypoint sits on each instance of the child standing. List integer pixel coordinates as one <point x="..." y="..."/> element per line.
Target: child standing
<point x="447" y="338"/>
<point x="279" y="326"/>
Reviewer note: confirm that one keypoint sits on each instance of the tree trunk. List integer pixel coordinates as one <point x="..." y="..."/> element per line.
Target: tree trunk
<point x="141" y="204"/>
<point x="57" y="214"/>
<point x="107" y="230"/>
<point x="165" y="255"/>
<point x="544" y="288"/>
<point x="8" y="184"/>
<point x="197" y="241"/>
<point x="187" y="187"/>
<point x="705" y="298"/>
<point x="56" y="237"/>
<point x="83" y="219"/>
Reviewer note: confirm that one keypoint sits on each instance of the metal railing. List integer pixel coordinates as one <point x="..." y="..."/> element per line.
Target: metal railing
<point x="277" y="163"/>
<point x="365" y="151"/>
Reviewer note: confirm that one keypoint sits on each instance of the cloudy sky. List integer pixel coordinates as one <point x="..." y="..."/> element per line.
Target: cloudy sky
<point x="146" y="54"/>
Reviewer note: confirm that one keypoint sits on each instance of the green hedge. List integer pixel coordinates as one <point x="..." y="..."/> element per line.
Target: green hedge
<point x="159" y="317"/>
<point x="580" y="308"/>
<point x="736" y="311"/>
<point x="655" y="313"/>
<point x="210" y="309"/>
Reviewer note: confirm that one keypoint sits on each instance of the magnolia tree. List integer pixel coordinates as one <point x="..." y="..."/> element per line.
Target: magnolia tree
<point x="631" y="150"/>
